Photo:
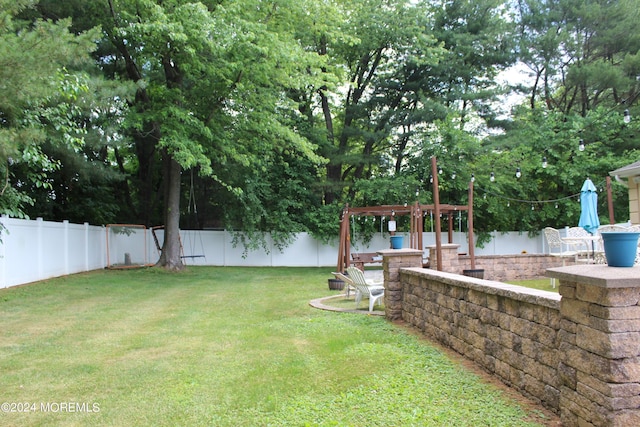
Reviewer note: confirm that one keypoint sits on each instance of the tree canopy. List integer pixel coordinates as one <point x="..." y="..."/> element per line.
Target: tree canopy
<point x="268" y="116"/>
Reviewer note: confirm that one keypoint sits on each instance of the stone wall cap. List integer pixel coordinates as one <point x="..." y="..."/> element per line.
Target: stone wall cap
<point x="443" y="245"/>
<point x="399" y="252"/>
<point x="515" y="292"/>
<point x="598" y="275"/>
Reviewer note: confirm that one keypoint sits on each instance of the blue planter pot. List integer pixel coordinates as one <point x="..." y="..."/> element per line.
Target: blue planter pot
<point x="396" y="242"/>
<point x="620" y="248"/>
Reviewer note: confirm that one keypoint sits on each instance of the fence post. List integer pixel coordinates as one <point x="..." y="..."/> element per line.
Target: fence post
<point x="65" y="239"/>
<point x="3" y="262"/>
<point x="86" y="246"/>
<point x="40" y="247"/>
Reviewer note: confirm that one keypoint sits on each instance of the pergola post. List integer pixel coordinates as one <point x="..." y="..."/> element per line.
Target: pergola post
<point x="436" y="211"/>
<point x="472" y="255"/>
<point x="416" y="211"/>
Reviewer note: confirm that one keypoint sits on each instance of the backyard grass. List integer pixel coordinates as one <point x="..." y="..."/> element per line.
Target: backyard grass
<point x="224" y="347"/>
<point x="542" y="284"/>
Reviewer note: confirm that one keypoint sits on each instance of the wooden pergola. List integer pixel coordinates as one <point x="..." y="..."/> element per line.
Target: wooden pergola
<point x="416" y="211"/>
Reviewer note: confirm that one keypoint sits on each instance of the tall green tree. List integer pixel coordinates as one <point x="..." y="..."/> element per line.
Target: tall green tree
<point x="235" y="104"/>
<point x="584" y="77"/>
<point x="40" y="63"/>
<point x="381" y="39"/>
<point x="479" y="39"/>
<point x="78" y="189"/>
<point x="212" y="81"/>
<point x="584" y="54"/>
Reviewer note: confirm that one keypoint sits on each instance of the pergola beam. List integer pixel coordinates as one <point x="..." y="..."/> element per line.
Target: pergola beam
<point x="344" y="249"/>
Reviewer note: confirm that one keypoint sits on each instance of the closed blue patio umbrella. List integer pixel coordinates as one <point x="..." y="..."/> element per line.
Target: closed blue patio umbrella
<point x="589" y="207"/>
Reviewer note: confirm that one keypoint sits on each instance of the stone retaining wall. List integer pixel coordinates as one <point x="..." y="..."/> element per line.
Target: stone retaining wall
<point x="576" y="353"/>
<point x="599" y="345"/>
<point x="497" y="267"/>
<point x="510" y="331"/>
<point x="503" y="268"/>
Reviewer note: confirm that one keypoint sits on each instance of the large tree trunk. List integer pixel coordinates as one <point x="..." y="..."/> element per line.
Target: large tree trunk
<point x="334" y="170"/>
<point x="147" y="177"/>
<point x="171" y="258"/>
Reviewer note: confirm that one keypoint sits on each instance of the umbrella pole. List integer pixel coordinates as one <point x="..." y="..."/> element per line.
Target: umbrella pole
<point x="610" y="201"/>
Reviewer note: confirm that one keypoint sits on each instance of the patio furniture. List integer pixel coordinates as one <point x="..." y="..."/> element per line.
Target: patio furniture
<point x="373" y="291"/>
<point x="618" y="228"/>
<point x="554" y="241"/>
<point x="360" y="259"/>
<point x="610" y="228"/>
<point x="584" y="243"/>
<point x="348" y="283"/>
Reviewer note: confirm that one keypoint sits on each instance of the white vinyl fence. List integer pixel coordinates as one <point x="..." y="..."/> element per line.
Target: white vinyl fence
<point x="33" y="250"/>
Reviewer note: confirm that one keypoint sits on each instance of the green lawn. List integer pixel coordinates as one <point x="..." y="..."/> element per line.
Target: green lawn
<point x="224" y="347"/>
<point x="542" y="284"/>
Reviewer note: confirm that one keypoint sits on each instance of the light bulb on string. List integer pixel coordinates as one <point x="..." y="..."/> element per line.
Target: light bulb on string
<point x="439" y="170"/>
<point x="544" y="162"/>
<point x="473" y="178"/>
<point x="533" y="208"/>
<point x="581" y="145"/>
<point x="453" y="175"/>
<point x="518" y="172"/>
<point x="627" y="116"/>
<point x="492" y="178"/>
<point x="431" y="179"/>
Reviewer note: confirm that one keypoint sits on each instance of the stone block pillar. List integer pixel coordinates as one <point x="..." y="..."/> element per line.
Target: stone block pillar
<point x="599" y="345"/>
<point x="450" y="262"/>
<point x="392" y="261"/>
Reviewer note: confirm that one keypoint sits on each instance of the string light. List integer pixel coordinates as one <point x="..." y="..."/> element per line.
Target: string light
<point x="626" y="118"/>
<point x="544" y="162"/>
<point x="518" y="172"/>
<point x="493" y="177"/>
<point x="571" y="197"/>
